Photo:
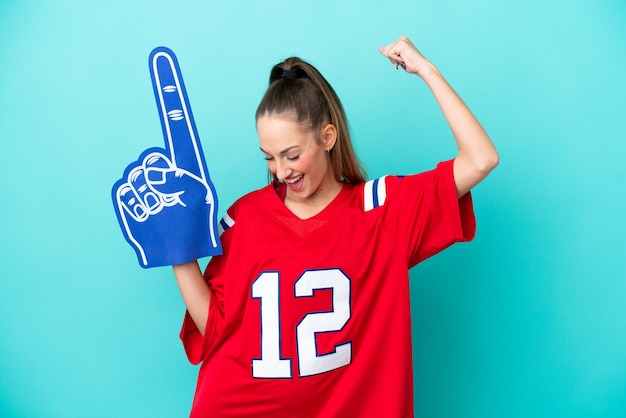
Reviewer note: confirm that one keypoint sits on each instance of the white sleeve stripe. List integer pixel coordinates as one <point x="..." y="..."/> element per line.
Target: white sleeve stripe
<point x="382" y="190"/>
<point x="225" y="223"/>
<point x="367" y="196"/>
<point x="374" y="193"/>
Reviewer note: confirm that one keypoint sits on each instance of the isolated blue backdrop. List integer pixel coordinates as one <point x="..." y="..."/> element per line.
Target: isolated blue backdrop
<point x="527" y="320"/>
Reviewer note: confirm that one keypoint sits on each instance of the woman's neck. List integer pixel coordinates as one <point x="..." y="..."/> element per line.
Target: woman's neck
<point x="312" y="205"/>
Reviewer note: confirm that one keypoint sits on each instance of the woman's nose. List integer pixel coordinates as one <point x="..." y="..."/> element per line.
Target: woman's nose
<point x="282" y="171"/>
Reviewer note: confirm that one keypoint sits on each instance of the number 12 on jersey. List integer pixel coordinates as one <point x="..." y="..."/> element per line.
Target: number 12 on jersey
<point x="267" y="288"/>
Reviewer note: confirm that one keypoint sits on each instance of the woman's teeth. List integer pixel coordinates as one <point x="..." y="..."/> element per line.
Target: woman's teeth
<point x="294" y="180"/>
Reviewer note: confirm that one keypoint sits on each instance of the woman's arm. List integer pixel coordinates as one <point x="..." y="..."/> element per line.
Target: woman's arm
<point x="477" y="155"/>
<point x="195" y="292"/>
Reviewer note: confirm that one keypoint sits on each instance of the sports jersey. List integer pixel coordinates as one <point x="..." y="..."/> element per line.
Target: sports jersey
<point x="311" y="318"/>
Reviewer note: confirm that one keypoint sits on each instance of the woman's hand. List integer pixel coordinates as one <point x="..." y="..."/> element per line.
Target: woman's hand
<point x="402" y="53"/>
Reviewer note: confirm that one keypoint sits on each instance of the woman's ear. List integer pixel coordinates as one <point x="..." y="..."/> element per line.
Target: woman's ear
<point x="329" y="136"/>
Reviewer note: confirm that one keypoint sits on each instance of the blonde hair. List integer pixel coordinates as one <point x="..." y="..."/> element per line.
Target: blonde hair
<point x="296" y="86"/>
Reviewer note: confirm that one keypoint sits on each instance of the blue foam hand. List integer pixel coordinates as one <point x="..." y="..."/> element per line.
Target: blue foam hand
<point x="165" y="203"/>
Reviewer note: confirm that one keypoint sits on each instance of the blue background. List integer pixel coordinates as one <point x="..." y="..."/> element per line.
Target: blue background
<point x="527" y="320"/>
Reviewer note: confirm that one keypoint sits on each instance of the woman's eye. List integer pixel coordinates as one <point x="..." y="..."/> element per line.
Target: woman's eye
<point x="295" y="157"/>
<point x="268" y="158"/>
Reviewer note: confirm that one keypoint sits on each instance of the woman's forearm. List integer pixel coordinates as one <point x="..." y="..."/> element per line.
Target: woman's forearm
<point x="477" y="155"/>
<point x="195" y="292"/>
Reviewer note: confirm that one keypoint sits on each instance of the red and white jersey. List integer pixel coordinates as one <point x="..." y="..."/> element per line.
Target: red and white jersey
<point x="311" y="318"/>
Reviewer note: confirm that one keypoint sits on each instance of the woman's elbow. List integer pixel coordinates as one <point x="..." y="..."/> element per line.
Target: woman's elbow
<point x="489" y="162"/>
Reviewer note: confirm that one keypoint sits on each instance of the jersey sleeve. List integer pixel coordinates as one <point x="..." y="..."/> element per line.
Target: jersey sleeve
<point x="423" y="214"/>
<point x="196" y="345"/>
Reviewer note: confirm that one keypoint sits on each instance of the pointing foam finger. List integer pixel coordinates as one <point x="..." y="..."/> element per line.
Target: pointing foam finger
<point x="179" y="130"/>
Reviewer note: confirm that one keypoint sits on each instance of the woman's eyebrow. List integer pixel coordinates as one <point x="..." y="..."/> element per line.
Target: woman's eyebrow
<point x="285" y="151"/>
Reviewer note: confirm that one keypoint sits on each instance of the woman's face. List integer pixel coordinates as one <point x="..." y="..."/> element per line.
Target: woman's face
<point x="296" y="157"/>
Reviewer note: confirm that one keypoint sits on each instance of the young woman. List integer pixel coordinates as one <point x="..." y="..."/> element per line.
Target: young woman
<point x="306" y="314"/>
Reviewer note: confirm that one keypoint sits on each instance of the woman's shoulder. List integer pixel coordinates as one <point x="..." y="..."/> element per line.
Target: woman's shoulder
<point x="254" y="200"/>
